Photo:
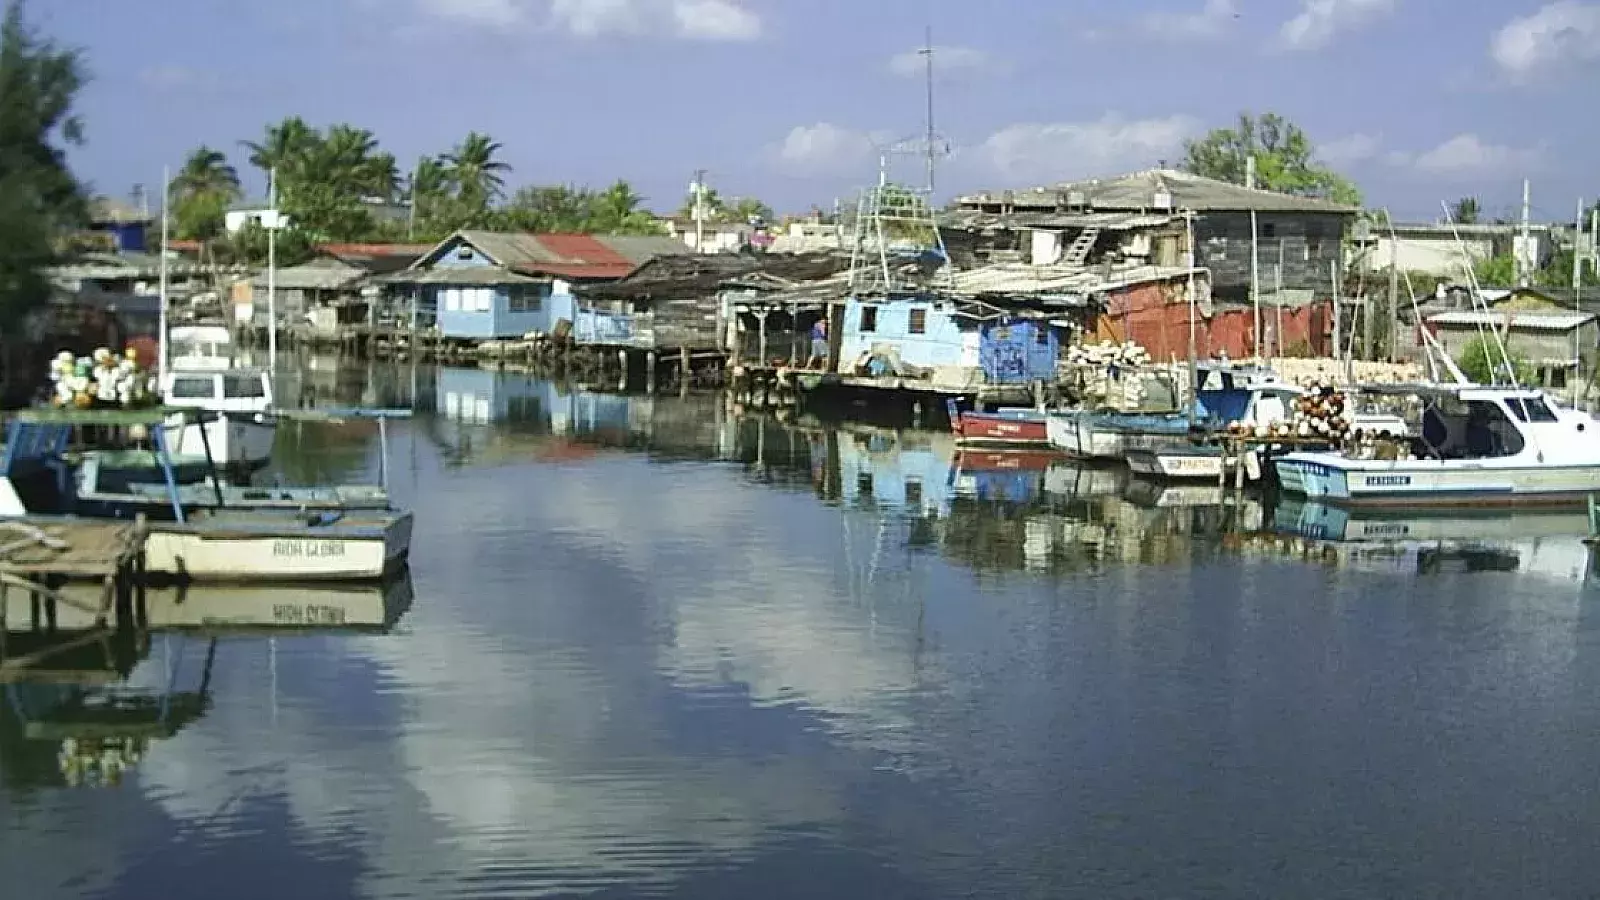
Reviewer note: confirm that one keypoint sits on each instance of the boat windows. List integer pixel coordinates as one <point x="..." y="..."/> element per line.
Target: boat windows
<point x="201" y="388"/>
<point x="1476" y="429"/>
<point x="1531" y="409"/>
<point x="243" y="387"/>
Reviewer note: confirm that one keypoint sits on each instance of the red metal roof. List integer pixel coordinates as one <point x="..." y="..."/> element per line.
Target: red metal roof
<point x="580" y="256"/>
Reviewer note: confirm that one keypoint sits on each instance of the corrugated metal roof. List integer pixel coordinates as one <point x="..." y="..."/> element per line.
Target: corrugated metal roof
<point x="1137" y="192"/>
<point x="1106" y="221"/>
<point x="1021" y="279"/>
<point x="640" y="248"/>
<point x="454" y="275"/>
<point x="1541" y="321"/>
<point x="324" y="274"/>
<point x="568" y="255"/>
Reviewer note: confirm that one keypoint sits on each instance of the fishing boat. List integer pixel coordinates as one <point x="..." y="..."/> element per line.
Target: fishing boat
<point x="1018" y="426"/>
<point x="240" y="437"/>
<point x="268" y="542"/>
<point x="1476" y="446"/>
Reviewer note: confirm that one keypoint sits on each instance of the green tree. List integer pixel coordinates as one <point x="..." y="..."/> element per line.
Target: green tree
<point x="619" y="209"/>
<point x="743" y="209"/>
<point x="39" y="196"/>
<point x="1465" y="211"/>
<point x="282" y="145"/>
<point x="1496" y="271"/>
<point x="201" y="193"/>
<point x="1482" y="361"/>
<point x="1285" y="159"/>
<point x="478" y="177"/>
<point x="551" y="209"/>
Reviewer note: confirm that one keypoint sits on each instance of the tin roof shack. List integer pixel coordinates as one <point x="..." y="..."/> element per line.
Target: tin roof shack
<point x="1140" y="218"/>
<point x="1445" y="250"/>
<point x="484" y="285"/>
<point x="331" y="291"/>
<point x="685" y="301"/>
<point x="1557" y="342"/>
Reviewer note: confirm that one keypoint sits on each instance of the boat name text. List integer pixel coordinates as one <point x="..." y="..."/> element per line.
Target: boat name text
<point x="307" y="549"/>
<point x="1388" y="480"/>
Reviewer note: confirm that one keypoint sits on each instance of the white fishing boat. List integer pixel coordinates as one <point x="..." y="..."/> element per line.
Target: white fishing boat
<point x="239" y="439"/>
<point x="1476" y="446"/>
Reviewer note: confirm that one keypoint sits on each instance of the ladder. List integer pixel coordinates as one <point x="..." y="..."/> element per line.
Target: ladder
<point x="1078" y="253"/>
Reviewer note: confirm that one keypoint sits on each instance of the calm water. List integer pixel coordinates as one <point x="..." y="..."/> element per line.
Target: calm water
<point x="657" y="648"/>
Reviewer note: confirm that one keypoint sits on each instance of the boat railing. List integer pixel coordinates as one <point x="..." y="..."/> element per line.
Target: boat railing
<point x="339" y="414"/>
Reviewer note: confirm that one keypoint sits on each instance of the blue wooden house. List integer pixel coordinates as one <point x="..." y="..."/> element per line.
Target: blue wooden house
<point x="483" y="285"/>
<point x="915" y="332"/>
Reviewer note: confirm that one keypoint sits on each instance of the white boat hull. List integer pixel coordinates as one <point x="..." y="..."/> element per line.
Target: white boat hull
<point x="238" y="440"/>
<point x="1176" y="464"/>
<point x="219" y="551"/>
<point x="1430" y="482"/>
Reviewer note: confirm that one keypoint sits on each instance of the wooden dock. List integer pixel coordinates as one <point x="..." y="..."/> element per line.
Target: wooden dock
<point x="39" y="556"/>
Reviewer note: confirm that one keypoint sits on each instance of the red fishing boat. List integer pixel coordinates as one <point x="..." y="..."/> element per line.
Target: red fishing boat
<point x="1018" y="426"/>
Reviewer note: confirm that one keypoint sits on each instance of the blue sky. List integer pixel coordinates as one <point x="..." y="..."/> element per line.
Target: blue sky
<point x="1418" y="100"/>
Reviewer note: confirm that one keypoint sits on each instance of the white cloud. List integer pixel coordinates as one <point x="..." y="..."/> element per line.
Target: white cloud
<point x="711" y="20"/>
<point x="1062" y="150"/>
<point x="1468" y="154"/>
<point x="1558" y="35"/>
<point x="1349" y="150"/>
<point x="1320" y="21"/>
<point x="912" y="64"/>
<point x="1210" y="21"/>
<point x="827" y="149"/>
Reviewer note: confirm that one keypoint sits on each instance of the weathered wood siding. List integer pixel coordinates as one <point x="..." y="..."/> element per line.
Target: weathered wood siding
<point x="1308" y="246"/>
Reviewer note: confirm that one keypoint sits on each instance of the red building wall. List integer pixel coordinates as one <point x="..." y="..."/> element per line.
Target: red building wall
<point x="1156" y="316"/>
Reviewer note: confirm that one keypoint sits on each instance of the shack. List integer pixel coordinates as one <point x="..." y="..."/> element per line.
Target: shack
<point x="1560" y="344"/>
<point x="486" y="285"/>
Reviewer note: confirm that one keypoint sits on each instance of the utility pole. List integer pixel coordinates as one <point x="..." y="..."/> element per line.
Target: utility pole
<point x="1577" y="249"/>
<point x="698" y="189"/>
<point x="1255" y="262"/>
<point x="1524" y="263"/>
<point x="272" y="270"/>
<point x="411" y="215"/>
<point x="927" y="52"/>
<point x="1394" y="301"/>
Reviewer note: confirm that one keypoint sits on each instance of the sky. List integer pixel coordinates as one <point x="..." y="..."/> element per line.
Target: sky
<point x="794" y="101"/>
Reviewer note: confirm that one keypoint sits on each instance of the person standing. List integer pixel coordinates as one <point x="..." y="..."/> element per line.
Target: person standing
<point x="819" y="344"/>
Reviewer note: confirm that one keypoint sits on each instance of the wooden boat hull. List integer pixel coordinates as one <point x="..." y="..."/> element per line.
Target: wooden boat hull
<point x="1435" y="483"/>
<point x="1108" y="436"/>
<point x="279" y="547"/>
<point x="1024" y="429"/>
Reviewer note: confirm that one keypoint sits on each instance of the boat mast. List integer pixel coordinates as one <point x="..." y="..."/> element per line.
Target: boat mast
<point x="1194" y="370"/>
<point x="272" y="270"/>
<point x="161" y="316"/>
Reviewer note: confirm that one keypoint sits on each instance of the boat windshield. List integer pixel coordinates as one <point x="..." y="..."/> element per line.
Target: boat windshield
<point x="1531" y="409"/>
<point x="192" y="387"/>
<point x="1471" y="429"/>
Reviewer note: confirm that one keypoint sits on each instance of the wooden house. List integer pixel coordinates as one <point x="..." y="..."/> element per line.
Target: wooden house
<point x="685" y="301"/>
<point x="1281" y="242"/>
<point x="483" y="285"/>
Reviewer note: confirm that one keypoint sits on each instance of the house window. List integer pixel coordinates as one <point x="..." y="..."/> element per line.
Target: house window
<point x="913" y="492"/>
<point x="463" y="252"/>
<point x="919" y="320"/>
<point x="1041" y="335"/>
<point x="1269" y="230"/>
<point x="525" y="298"/>
<point x="452" y="299"/>
<point x="483" y="299"/>
<point x="869" y="318"/>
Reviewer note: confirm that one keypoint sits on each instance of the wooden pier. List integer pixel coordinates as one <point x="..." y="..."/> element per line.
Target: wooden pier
<point x="40" y="557"/>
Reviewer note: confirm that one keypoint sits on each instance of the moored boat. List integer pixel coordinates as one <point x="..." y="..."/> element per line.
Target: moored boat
<point x="1019" y="426"/>
<point x="1476" y="446"/>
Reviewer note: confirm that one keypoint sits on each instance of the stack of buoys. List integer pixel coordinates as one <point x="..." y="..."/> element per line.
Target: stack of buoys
<point x="103" y="380"/>
<point x="1103" y="371"/>
<point x="1321" y="413"/>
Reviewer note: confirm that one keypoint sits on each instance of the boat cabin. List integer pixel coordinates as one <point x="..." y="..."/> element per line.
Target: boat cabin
<point x="199" y="347"/>
<point x="221" y="390"/>
<point x="1491" y="424"/>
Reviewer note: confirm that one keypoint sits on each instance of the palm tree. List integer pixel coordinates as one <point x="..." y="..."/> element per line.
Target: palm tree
<point x="478" y="176"/>
<point x="283" y="145"/>
<point x="206" y="171"/>
<point x="743" y="209"/>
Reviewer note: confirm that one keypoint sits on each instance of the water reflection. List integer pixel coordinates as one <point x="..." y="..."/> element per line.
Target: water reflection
<point x="660" y="647"/>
